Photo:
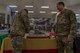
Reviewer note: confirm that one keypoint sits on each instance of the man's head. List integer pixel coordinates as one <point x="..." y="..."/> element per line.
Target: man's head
<point x="24" y="11"/>
<point x="60" y="6"/>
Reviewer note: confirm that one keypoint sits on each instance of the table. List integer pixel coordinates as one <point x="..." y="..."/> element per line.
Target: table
<point x="44" y="45"/>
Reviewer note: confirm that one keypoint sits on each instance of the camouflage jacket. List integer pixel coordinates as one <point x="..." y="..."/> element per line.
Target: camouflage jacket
<point x="20" y="24"/>
<point x="66" y="23"/>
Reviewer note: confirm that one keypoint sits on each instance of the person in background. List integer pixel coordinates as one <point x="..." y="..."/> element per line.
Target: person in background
<point x="19" y="28"/>
<point x="65" y="28"/>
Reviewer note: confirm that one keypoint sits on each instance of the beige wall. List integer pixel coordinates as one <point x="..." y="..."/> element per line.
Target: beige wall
<point x="2" y="9"/>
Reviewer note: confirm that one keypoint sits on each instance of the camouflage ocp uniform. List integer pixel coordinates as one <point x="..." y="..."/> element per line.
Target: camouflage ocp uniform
<point x="20" y="26"/>
<point x="66" y="25"/>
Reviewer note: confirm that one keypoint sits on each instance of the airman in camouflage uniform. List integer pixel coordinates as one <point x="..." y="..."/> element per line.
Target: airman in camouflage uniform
<point x="65" y="29"/>
<point x="20" y="26"/>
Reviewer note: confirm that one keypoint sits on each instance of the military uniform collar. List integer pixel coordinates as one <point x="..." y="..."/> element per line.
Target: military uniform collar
<point x="63" y="11"/>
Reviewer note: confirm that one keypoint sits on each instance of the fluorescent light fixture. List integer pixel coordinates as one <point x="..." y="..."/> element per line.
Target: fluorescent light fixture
<point x="77" y="17"/>
<point x="12" y="6"/>
<point x="42" y="11"/>
<point x="77" y="14"/>
<point x="30" y="11"/>
<point x="53" y="12"/>
<point x="44" y="6"/>
<point x="16" y="11"/>
<point x="29" y="6"/>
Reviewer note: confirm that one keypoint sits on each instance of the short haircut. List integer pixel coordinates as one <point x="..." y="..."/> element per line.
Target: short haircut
<point x="61" y="3"/>
<point x="25" y="10"/>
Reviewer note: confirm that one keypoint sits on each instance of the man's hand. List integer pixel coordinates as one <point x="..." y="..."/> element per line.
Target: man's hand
<point x="25" y="36"/>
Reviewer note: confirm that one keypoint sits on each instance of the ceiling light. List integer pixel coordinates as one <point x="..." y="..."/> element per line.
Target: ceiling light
<point x="30" y="11"/>
<point x="12" y="6"/>
<point x="16" y="11"/>
<point x="53" y="12"/>
<point x="29" y="6"/>
<point x="77" y="17"/>
<point x="44" y="6"/>
<point x="42" y="11"/>
<point x="77" y="14"/>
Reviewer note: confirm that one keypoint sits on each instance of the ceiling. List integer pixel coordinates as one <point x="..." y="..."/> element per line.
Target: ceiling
<point x="71" y="4"/>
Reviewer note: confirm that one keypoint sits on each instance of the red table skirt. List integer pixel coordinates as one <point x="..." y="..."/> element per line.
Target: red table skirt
<point x="78" y="50"/>
<point x="35" y="51"/>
